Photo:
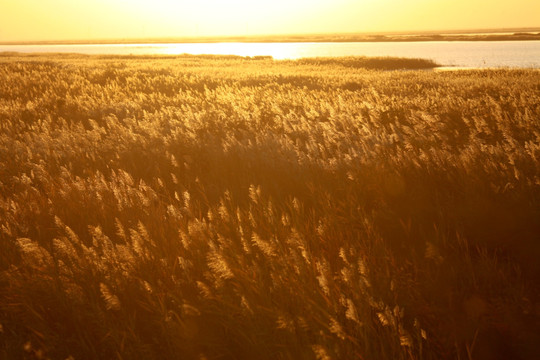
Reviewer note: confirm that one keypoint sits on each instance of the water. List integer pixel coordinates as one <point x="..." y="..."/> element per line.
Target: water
<point x="463" y="54"/>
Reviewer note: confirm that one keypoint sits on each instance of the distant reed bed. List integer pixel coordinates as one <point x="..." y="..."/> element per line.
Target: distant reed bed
<point x="374" y="63"/>
<point x="234" y="208"/>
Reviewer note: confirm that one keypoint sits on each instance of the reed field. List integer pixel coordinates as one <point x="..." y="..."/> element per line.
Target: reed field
<point x="215" y="207"/>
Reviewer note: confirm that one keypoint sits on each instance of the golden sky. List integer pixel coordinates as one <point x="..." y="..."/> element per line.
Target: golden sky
<point x="22" y="20"/>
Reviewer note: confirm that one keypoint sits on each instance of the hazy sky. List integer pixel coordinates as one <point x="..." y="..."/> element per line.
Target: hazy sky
<point x="86" y="19"/>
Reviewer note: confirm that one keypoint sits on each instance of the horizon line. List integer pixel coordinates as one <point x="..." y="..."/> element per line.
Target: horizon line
<point x="267" y="37"/>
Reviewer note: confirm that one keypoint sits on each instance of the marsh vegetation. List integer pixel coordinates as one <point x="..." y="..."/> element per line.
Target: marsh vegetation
<point x="246" y="208"/>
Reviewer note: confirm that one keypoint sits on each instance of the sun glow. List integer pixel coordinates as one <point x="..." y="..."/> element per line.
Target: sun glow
<point x="122" y="19"/>
<point x="277" y="51"/>
<point x="215" y="18"/>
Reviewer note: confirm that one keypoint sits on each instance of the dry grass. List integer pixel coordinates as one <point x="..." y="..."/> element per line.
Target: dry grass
<point x="210" y="208"/>
<point x="373" y="63"/>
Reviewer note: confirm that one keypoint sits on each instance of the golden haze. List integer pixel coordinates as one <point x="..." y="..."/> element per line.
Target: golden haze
<point x="75" y="20"/>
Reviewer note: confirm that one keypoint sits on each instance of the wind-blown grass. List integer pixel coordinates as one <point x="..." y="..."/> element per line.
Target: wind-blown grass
<point x="198" y="207"/>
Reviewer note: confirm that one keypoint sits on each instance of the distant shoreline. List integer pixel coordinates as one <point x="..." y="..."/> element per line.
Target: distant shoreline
<point x="513" y="36"/>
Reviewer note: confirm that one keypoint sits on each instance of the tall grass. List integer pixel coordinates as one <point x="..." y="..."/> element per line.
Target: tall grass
<point x="376" y="63"/>
<point x="205" y="208"/>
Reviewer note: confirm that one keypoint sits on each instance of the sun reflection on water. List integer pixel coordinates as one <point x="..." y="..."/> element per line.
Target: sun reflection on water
<point x="277" y="51"/>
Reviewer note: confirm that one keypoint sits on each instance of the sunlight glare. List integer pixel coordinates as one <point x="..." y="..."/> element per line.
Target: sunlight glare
<point x="277" y="51"/>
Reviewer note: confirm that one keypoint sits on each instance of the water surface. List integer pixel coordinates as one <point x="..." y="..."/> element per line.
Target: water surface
<point x="463" y="54"/>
